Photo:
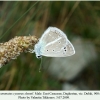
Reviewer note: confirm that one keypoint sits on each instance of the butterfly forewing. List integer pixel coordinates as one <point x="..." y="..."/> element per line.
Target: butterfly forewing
<point x="51" y="34"/>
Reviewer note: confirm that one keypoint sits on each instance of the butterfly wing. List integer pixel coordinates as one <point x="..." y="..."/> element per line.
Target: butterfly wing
<point x="55" y="44"/>
<point x="51" y="34"/>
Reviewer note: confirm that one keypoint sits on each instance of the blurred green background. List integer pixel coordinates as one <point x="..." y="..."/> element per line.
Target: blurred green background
<point x="21" y="18"/>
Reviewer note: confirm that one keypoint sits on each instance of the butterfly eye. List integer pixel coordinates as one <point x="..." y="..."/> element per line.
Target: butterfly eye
<point x="59" y="42"/>
<point x="39" y="56"/>
<point x="47" y="50"/>
<point x="53" y="50"/>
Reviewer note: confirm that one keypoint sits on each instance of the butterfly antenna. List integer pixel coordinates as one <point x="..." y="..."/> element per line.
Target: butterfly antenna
<point x="30" y="35"/>
<point x="41" y="65"/>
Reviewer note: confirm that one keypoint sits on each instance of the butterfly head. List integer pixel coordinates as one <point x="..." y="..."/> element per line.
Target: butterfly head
<point x="39" y="57"/>
<point x="37" y="50"/>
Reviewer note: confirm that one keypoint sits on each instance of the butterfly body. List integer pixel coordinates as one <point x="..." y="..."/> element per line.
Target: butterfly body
<point x="54" y="43"/>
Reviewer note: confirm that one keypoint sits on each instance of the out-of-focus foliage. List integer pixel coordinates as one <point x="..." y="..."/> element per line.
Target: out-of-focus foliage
<point x="32" y="18"/>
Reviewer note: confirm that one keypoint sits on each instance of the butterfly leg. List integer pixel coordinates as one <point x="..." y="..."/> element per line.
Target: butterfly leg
<point x="31" y="50"/>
